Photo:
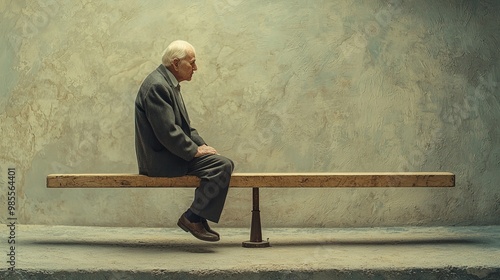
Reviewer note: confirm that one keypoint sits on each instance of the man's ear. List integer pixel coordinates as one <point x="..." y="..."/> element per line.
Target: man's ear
<point x="176" y="63"/>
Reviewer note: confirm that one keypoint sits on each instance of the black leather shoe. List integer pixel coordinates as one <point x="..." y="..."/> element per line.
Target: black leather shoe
<point x="207" y="227"/>
<point x="196" y="229"/>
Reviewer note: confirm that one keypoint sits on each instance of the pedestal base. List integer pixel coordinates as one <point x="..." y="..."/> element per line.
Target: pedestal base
<point x="252" y="244"/>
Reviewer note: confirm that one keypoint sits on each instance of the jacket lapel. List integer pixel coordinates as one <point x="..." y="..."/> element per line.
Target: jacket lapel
<point x="179" y="103"/>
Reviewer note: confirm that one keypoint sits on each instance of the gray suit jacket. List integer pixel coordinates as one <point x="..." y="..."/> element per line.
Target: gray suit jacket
<point x="165" y="142"/>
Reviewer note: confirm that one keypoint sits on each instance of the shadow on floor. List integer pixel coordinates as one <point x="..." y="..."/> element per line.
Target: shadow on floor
<point x="196" y="246"/>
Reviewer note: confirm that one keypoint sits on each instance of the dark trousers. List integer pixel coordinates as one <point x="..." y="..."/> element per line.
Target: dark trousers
<point x="210" y="196"/>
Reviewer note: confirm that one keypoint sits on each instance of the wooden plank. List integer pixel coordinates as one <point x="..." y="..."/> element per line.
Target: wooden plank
<point x="263" y="180"/>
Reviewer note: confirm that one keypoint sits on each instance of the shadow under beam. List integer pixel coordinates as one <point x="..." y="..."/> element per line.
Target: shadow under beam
<point x="194" y="247"/>
<point x="387" y="242"/>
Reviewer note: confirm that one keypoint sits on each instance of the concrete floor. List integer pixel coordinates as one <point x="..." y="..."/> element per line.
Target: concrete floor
<point x="63" y="252"/>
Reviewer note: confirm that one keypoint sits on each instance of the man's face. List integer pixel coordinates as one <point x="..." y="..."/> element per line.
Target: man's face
<point x="185" y="67"/>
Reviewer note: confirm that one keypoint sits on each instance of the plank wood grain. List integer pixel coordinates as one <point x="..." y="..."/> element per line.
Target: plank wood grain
<point x="261" y="180"/>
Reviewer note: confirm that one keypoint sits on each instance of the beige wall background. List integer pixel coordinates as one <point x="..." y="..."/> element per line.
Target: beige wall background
<point x="282" y="86"/>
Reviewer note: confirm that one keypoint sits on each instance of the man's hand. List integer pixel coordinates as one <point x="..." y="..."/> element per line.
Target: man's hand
<point x="205" y="150"/>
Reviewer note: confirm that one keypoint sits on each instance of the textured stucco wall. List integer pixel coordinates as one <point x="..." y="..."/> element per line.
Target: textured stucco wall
<point x="282" y="86"/>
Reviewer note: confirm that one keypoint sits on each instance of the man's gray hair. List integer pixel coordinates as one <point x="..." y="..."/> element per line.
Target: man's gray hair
<point x="177" y="49"/>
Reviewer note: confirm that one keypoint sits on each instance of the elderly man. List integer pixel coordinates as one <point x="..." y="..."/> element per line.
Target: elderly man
<point x="168" y="146"/>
